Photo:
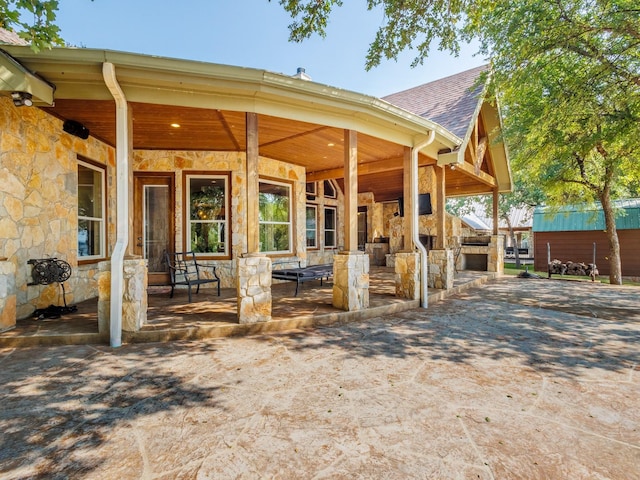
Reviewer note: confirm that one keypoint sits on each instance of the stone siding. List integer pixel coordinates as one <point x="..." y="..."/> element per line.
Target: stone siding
<point x="254" y="289"/>
<point x="407" y="268"/>
<point x="7" y="295"/>
<point x="351" y="281"/>
<point x="441" y="270"/>
<point x="38" y="206"/>
<point x="185" y="162"/>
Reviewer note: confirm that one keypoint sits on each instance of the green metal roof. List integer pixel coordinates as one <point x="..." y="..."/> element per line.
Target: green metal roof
<point x="586" y="218"/>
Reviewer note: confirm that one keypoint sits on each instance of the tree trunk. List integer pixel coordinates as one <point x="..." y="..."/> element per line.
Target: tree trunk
<point x="514" y="242"/>
<point x="615" y="265"/>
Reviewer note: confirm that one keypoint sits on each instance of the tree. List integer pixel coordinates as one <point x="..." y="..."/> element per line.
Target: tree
<point x="33" y="20"/>
<point x="567" y="73"/>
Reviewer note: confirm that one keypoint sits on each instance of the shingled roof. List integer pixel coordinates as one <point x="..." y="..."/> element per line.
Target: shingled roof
<point x="11" y="38"/>
<point x="450" y="101"/>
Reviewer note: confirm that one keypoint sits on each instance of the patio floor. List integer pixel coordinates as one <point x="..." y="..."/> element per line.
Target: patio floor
<point x="515" y="379"/>
<point x="210" y="316"/>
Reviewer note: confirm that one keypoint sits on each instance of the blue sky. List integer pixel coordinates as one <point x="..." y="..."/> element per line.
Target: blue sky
<point x="252" y="33"/>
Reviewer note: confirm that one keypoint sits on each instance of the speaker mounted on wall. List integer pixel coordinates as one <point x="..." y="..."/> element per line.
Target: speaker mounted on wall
<point x="75" y="128"/>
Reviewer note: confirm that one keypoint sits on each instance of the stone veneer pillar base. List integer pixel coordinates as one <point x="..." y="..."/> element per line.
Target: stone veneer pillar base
<point x="495" y="260"/>
<point x="254" y="288"/>
<point x="134" y="296"/>
<point x="407" y="268"/>
<point x="351" y="281"/>
<point x="441" y="269"/>
<point x="7" y="295"/>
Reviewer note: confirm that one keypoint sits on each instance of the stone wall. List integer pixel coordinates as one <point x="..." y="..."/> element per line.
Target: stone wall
<point x="441" y="269"/>
<point x="7" y="295"/>
<point x="322" y="255"/>
<point x="351" y="281"/>
<point x="184" y="162"/>
<point x="38" y="207"/>
<point x="253" y="288"/>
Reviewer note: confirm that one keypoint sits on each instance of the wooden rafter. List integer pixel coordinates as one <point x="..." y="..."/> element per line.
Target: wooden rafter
<point x="481" y="176"/>
<point x="380" y="166"/>
<point x="481" y="150"/>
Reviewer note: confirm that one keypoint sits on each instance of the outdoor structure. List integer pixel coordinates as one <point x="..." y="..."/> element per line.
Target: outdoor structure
<point x="572" y="232"/>
<point x="109" y="159"/>
<point x="521" y="220"/>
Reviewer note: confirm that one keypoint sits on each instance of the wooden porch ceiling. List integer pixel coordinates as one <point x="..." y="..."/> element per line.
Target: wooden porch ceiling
<point x="316" y="147"/>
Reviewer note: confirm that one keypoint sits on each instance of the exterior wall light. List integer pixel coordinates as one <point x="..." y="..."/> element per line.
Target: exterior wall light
<point x="21" y="99"/>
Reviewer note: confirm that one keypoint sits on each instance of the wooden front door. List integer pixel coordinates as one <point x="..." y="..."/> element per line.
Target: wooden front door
<point x="154" y="222"/>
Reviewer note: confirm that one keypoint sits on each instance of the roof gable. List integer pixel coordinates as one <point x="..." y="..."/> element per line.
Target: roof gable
<point x="451" y="101"/>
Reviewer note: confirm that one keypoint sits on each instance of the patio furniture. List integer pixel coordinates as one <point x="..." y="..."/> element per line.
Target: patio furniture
<point x="303" y="274"/>
<point x="185" y="270"/>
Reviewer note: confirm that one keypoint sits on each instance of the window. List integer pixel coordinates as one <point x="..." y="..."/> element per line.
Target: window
<point x="275" y="217"/>
<point x="330" y="227"/>
<point x="312" y="226"/>
<point x="310" y="189"/>
<point x="329" y="190"/>
<point x="207" y="232"/>
<point x="91" y="211"/>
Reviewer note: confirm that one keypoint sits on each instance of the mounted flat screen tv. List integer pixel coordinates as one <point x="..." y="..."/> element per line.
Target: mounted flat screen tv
<point x="424" y="204"/>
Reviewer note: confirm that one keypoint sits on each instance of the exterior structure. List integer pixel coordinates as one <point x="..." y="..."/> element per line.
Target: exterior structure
<point x="123" y="157"/>
<point x="572" y="234"/>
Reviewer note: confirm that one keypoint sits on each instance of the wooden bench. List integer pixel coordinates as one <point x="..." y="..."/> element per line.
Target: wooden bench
<point x="302" y="274"/>
<point x="185" y="270"/>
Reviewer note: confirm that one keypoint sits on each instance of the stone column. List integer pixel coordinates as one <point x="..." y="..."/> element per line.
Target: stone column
<point x="134" y="296"/>
<point x="7" y="295"/>
<point x="254" y="288"/>
<point x="441" y="269"/>
<point x="495" y="258"/>
<point x="104" y="297"/>
<point x="407" y="268"/>
<point x="134" y="299"/>
<point x="351" y="281"/>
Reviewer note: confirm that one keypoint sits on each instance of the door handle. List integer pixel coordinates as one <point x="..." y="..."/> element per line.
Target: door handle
<point x="139" y="244"/>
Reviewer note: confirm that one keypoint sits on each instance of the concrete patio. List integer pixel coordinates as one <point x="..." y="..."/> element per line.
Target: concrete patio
<point x="526" y="379"/>
<point x="210" y="316"/>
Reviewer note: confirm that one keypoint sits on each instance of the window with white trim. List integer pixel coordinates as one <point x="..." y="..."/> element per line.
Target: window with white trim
<point x="330" y="190"/>
<point x="312" y="226"/>
<point x="275" y="217"/>
<point x="91" y="211"/>
<point x="208" y="219"/>
<point x="330" y="227"/>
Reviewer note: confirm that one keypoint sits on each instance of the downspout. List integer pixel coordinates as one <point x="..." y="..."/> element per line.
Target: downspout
<point x="122" y="202"/>
<point x="414" y="217"/>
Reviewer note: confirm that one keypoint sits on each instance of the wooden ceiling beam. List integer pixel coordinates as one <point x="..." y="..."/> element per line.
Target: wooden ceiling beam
<point x="482" y="177"/>
<point x="370" y="168"/>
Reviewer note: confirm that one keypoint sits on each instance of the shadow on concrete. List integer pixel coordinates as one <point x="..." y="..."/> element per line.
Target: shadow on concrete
<point x="554" y="326"/>
<point x="53" y="405"/>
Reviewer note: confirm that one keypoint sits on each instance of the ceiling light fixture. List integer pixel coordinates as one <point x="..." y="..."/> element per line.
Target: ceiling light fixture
<point x="175" y="125"/>
<point x="22" y="99"/>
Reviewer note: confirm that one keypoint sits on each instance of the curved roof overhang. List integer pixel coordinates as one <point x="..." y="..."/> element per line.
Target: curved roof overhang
<point x="77" y="75"/>
<point x="298" y="119"/>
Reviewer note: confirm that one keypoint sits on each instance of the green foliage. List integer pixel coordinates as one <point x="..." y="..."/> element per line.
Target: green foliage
<point x="567" y="75"/>
<point x="33" y="20"/>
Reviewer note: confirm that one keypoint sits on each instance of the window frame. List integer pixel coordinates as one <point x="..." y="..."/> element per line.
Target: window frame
<point x="226" y="223"/>
<point x="334" y="229"/>
<point x="101" y="221"/>
<point x="315" y="230"/>
<point x="334" y="191"/>
<point x="290" y="224"/>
